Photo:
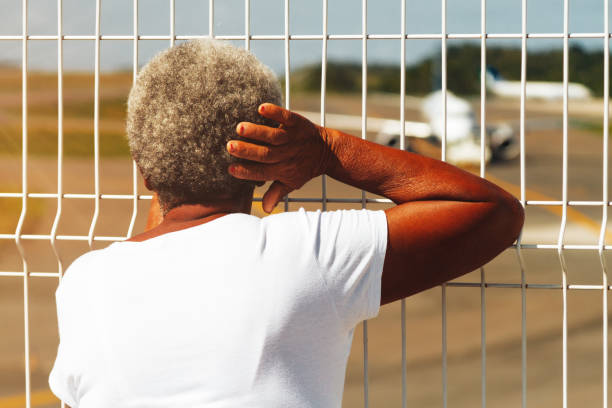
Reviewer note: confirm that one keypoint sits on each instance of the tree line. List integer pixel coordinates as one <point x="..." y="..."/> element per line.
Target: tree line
<point x="463" y="68"/>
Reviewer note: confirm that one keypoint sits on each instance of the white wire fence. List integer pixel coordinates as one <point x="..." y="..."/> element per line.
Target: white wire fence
<point x="19" y="237"/>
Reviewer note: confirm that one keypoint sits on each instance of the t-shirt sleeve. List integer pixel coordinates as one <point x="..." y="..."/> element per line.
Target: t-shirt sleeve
<point x="352" y="253"/>
<point x="344" y="250"/>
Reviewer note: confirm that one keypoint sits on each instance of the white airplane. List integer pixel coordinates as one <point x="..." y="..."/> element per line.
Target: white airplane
<point x="462" y="132"/>
<point x="499" y="86"/>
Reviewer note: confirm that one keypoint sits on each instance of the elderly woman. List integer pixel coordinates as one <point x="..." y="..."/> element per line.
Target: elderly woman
<point x="214" y="307"/>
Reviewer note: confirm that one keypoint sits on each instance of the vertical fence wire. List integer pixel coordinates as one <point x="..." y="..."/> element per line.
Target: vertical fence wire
<point x="24" y="199"/>
<point x="247" y="24"/>
<point x="323" y="96"/>
<point x="60" y="138"/>
<point x="287" y="77"/>
<point x="523" y="198"/>
<point x="604" y="215"/>
<point x="483" y="339"/>
<point x="364" y="130"/>
<point x="130" y="230"/>
<point x="404" y="355"/>
<point x="94" y="221"/>
<point x="366" y="390"/>
<point x="364" y="80"/>
<point x="483" y="86"/>
<point x="172" y="29"/>
<point x="523" y="100"/>
<point x="211" y="18"/>
<point x="483" y="149"/>
<point x="444" y="83"/>
<point x="60" y="141"/>
<point x="561" y="237"/>
<point x="403" y="147"/>
<point x="287" y="60"/>
<point x="444" y="131"/>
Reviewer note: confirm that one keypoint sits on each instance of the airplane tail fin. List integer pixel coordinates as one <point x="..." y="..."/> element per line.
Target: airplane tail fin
<point x="491" y="76"/>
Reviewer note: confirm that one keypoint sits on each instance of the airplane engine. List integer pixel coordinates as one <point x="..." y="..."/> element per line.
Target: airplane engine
<point x="389" y="135"/>
<point x="503" y="142"/>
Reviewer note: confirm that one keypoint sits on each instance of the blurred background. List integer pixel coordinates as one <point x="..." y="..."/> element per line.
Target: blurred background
<point x="471" y="312"/>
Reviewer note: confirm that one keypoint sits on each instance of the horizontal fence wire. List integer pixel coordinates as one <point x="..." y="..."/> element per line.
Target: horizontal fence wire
<point x="38" y="237"/>
<point x="487" y="285"/>
<point x="531" y="203"/>
<point x="282" y="37"/>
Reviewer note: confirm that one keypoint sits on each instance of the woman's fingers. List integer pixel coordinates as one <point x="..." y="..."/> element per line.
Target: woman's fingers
<point x="266" y="134"/>
<point x="258" y="153"/>
<point x="289" y="154"/>
<point x="256" y="171"/>
<point x="274" y="194"/>
<point x="281" y="115"/>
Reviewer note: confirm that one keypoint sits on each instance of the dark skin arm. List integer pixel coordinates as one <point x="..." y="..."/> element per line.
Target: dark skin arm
<point x="447" y="222"/>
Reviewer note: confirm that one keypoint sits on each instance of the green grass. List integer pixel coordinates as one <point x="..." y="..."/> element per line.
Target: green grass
<point x="592" y="126"/>
<point x="78" y="114"/>
<point x="110" y="109"/>
<point x="76" y="144"/>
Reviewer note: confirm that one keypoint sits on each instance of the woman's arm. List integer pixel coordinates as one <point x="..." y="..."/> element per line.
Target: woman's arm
<point x="447" y="221"/>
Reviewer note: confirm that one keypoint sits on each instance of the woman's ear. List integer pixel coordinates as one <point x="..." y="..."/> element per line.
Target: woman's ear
<point x="146" y="180"/>
<point x="147" y="184"/>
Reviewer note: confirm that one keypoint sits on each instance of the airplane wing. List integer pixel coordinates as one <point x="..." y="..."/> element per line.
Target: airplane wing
<point x="502" y="141"/>
<point x="373" y="124"/>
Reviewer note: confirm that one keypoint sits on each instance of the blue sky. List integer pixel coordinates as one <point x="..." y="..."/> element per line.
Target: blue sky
<point x="267" y="17"/>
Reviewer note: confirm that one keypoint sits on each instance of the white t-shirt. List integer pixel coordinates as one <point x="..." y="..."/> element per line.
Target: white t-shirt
<point x="236" y="312"/>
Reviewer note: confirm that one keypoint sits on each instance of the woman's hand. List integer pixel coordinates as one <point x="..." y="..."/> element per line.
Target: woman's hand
<point x="291" y="154"/>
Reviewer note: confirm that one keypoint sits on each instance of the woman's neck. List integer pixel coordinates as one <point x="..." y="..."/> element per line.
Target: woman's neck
<point x="191" y="215"/>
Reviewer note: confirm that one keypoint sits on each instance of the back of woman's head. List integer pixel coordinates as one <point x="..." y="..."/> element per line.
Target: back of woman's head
<point x="183" y="109"/>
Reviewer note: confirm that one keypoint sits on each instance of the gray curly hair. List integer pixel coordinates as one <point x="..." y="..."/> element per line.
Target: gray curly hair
<point x="183" y="109"/>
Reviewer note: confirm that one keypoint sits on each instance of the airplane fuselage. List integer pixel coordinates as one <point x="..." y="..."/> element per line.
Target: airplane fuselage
<point x="539" y="90"/>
